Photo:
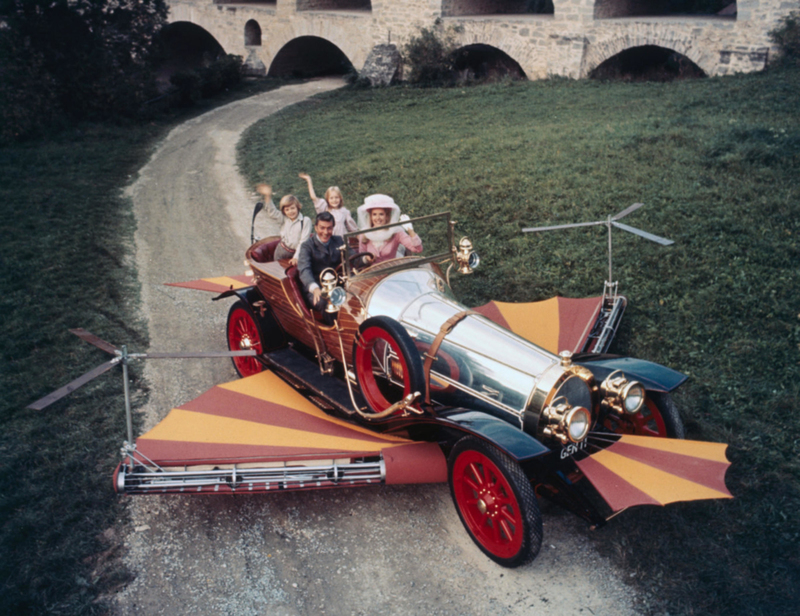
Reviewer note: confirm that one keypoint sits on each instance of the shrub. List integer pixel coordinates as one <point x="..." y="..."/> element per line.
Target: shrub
<point x="787" y="37"/>
<point x="430" y="55"/>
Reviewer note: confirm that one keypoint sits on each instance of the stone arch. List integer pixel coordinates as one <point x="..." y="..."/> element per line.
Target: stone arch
<point x="460" y="8"/>
<point x="186" y="46"/>
<point x="614" y="9"/>
<point x="309" y="56"/>
<point x="647" y="63"/>
<point x="334" y="5"/>
<point x="486" y="62"/>
<point x="252" y="34"/>
<point x="596" y="53"/>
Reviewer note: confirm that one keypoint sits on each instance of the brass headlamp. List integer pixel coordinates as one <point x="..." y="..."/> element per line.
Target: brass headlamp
<point x="328" y="282"/>
<point x="621" y="395"/>
<point x="566" y="423"/>
<point x="466" y="258"/>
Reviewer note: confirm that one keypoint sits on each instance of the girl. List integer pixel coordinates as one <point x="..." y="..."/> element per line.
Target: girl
<point x="295" y="228"/>
<point x="379" y="210"/>
<point x="333" y="203"/>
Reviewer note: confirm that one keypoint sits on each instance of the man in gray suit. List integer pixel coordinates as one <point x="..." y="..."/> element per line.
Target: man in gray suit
<point x="318" y="252"/>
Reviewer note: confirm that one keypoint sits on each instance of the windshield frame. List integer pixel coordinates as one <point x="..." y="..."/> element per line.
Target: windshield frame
<point x="405" y="263"/>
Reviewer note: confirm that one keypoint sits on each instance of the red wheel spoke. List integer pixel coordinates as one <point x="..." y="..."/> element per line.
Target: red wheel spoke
<point x="506" y="529"/>
<point x="479" y="478"/>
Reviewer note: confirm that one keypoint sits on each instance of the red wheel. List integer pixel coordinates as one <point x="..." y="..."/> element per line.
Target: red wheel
<point x="659" y="417"/>
<point x="495" y="502"/>
<point x="387" y="364"/>
<point x="244" y="334"/>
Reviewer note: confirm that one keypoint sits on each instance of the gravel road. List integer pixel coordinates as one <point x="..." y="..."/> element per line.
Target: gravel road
<point x="379" y="550"/>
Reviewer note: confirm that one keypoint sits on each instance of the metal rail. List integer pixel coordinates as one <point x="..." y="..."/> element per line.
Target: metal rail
<point x="291" y="476"/>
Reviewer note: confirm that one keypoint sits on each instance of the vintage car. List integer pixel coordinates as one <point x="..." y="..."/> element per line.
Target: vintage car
<point x="443" y="391"/>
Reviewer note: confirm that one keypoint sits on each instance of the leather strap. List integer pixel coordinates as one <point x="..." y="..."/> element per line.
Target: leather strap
<point x="430" y="356"/>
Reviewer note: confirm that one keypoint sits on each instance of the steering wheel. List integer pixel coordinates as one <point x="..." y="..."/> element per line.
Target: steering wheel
<point x="352" y="258"/>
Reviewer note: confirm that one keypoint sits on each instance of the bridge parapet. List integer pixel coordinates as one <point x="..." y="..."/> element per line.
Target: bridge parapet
<point x="570" y="41"/>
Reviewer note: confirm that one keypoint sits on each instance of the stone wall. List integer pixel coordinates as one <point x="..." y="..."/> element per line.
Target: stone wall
<point x="570" y="42"/>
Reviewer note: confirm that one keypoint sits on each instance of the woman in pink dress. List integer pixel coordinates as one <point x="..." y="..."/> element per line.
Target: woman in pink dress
<point x="379" y="210"/>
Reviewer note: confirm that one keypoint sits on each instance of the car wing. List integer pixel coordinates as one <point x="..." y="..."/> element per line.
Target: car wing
<point x="555" y="324"/>
<point x="219" y="284"/>
<point x="260" y="434"/>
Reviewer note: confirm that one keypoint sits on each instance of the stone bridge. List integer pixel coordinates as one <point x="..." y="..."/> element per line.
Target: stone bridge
<point x="566" y="38"/>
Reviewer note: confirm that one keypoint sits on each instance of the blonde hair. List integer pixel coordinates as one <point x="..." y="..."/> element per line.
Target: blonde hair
<point x="330" y="191"/>
<point x="288" y="200"/>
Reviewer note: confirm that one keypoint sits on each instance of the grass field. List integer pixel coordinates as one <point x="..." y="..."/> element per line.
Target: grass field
<point x="66" y="261"/>
<point x="716" y="162"/>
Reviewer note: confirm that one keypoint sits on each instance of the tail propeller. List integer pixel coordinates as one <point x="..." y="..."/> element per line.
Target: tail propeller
<point x="611" y="221"/>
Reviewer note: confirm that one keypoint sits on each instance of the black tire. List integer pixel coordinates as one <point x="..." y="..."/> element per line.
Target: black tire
<point x="669" y="413"/>
<point x="380" y="393"/>
<point x="498" y="506"/>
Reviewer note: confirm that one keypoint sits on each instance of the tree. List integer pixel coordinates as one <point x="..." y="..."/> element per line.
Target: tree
<point x="80" y="59"/>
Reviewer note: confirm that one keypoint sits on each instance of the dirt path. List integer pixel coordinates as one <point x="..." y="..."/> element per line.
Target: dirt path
<point x="381" y="550"/>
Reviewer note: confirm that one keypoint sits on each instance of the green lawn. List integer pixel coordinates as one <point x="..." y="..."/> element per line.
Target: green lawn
<point x="716" y="162"/>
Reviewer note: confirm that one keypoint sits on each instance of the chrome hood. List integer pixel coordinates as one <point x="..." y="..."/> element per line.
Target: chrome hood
<point x="511" y="377"/>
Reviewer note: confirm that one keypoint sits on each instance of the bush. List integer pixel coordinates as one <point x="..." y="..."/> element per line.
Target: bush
<point x="787" y="37"/>
<point x="220" y="74"/>
<point x="431" y="56"/>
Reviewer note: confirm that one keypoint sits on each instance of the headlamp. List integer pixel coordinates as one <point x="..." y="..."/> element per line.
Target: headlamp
<point x="621" y="395"/>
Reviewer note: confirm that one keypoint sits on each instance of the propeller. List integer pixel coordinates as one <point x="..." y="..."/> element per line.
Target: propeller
<point x="121" y="356"/>
<point x="611" y="221"/>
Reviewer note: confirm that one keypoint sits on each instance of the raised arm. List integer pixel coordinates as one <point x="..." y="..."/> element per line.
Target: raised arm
<point x="265" y="190"/>
<point x="311" y="193"/>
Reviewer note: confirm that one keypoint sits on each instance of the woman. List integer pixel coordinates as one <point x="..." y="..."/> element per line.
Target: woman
<point x="379" y="210"/>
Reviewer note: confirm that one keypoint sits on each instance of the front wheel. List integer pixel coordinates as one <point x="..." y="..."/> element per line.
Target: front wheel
<point x="495" y="502"/>
<point x="659" y="417"/>
<point x="244" y="334"/>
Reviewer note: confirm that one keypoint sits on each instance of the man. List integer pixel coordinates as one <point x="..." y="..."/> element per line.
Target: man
<point x="318" y="252"/>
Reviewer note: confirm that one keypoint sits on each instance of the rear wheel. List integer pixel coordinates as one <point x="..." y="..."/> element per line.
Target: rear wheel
<point x="659" y="417"/>
<point x="387" y="364"/>
<point x="244" y="334"/>
<point x="495" y="502"/>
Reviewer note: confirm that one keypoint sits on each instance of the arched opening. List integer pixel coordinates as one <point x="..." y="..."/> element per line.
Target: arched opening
<point x="268" y="3"/>
<point x="647" y="63"/>
<point x="185" y="46"/>
<point x="460" y="8"/>
<point x="609" y="9"/>
<point x="484" y="63"/>
<point x="334" y="5"/>
<point x="252" y="34"/>
<point x="309" y="56"/>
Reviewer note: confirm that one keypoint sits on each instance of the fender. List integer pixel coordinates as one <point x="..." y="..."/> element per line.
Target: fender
<point x="654" y="377"/>
<point x="273" y="335"/>
<point x="518" y="444"/>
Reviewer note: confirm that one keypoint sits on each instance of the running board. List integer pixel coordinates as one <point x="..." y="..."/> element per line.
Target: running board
<point x="152" y="479"/>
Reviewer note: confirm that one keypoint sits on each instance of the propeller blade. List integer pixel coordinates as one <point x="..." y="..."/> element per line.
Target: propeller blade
<point x="648" y="236"/>
<point x="92" y="339"/>
<point x="194" y="355"/>
<point x="571" y="226"/>
<point x="73" y="385"/>
<point x="627" y="211"/>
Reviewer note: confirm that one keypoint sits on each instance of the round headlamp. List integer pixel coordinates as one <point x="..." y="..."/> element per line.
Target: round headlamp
<point x="578" y="422"/>
<point x="633" y="397"/>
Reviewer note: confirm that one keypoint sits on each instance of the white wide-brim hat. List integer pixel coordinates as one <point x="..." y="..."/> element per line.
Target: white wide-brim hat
<point x="374" y="202"/>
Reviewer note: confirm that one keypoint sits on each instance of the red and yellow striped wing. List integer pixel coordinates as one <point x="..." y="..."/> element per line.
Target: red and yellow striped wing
<point x="555" y="324"/>
<point x="646" y="470"/>
<point x="220" y="284"/>
<point x="263" y="419"/>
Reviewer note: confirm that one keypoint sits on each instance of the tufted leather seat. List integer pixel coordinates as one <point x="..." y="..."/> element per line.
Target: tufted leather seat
<point x="264" y="253"/>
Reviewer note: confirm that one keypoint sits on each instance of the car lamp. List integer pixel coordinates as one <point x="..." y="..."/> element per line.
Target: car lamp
<point x="567" y="424"/>
<point x="621" y="395"/>
<point x="336" y="295"/>
<point x="466" y="258"/>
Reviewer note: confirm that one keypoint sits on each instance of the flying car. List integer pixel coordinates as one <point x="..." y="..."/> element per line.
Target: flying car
<point x="398" y="382"/>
